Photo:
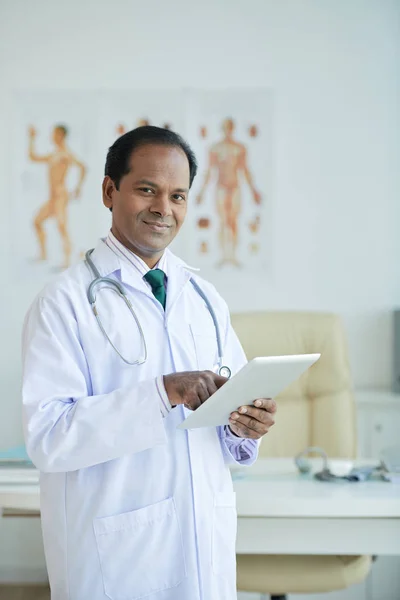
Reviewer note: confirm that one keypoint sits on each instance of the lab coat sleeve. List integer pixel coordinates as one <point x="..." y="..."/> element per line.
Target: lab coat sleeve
<point x="236" y="450"/>
<point x="65" y="427"/>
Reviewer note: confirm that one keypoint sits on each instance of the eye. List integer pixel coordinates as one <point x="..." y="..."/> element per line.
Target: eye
<point x="178" y="198"/>
<point x="146" y="190"/>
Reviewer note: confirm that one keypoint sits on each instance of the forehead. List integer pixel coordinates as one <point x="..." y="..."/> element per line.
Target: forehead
<point x="153" y="160"/>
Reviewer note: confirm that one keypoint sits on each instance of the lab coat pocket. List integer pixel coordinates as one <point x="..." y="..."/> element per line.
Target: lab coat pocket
<point x="224" y="535"/>
<point x="205" y="344"/>
<point x="141" y="552"/>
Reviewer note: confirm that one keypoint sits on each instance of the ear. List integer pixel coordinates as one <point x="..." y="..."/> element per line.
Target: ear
<point x="108" y="192"/>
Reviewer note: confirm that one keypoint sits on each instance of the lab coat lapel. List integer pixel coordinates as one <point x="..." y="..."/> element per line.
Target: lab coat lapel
<point x="130" y="278"/>
<point x="178" y="278"/>
<point x="108" y="263"/>
<point x="104" y="259"/>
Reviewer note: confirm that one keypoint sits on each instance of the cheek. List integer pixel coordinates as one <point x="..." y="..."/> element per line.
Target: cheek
<point x="180" y="214"/>
<point x="129" y="205"/>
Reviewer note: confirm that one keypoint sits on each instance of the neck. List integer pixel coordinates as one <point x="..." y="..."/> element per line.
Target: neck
<point x="151" y="259"/>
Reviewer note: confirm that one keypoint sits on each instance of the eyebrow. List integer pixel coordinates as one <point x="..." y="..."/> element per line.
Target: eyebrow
<point x="145" y="182"/>
<point x="152" y="184"/>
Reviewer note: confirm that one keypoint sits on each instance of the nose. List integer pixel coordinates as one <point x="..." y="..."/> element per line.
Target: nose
<point x="161" y="205"/>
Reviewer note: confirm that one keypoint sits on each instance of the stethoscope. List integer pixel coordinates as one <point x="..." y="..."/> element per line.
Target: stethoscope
<point x="117" y="287"/>
<point x="360" y="473"/>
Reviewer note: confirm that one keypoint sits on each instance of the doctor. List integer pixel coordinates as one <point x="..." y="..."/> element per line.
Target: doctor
<point x="133" y="508"/>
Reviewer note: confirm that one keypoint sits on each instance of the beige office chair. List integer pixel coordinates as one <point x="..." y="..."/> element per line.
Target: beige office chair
<point x="318" y="410"/>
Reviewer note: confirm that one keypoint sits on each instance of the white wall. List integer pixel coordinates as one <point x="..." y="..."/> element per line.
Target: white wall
<point x="334" y="66"/>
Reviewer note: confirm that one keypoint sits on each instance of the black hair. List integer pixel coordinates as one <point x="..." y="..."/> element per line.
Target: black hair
<point x="117" y="162"/>
<point x="62" y="128"/>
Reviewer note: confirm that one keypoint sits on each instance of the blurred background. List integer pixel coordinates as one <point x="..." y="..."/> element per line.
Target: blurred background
<point x="312" y="89"/>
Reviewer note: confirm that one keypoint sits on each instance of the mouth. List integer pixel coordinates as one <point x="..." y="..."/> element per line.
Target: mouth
<point x="157" y="226"/>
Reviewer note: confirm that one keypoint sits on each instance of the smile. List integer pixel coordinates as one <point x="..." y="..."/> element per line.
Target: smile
<point x="159" y="227"/>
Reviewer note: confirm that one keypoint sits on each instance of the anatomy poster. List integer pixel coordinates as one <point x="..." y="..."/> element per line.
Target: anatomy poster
<point x="123" y="111"/>
<point x="54" y="166"/>
<point x="231" y="133"/>
<point x="59" y="145"/>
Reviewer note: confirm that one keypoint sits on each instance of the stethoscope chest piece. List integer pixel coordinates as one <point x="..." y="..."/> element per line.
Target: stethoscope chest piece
<point x="225" y="372"/>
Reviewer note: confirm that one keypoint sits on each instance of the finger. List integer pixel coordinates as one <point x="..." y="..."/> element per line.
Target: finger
<point x="202" y="391"/>
<point x="218" y="379"/>
<point x="257" y="413"/>
<point x="250" y="423"/>
<point x="243" y="431"/>
<point x="198" y="396"/>
<point x="192" y="401"/>
<point x="210" y="383"/>
<point x="266" y="403"/>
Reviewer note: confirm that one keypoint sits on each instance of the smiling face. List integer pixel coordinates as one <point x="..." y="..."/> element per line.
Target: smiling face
<point x="150" y="205"/>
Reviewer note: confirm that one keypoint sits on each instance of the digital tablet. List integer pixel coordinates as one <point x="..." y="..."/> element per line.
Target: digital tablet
<point x="262" y="377"/>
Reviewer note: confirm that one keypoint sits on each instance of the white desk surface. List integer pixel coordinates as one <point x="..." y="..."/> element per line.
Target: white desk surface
<point x="280" y="512"/>
<point x="19" y="496"/>
<point x="272" y="488"/>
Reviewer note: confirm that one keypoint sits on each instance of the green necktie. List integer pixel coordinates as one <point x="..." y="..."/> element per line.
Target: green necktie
<point x="156" y="278"/>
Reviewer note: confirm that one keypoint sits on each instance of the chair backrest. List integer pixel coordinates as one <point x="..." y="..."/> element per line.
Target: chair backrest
<point x="319" y="409"/>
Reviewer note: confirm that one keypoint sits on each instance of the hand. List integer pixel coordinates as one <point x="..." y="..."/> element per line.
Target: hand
<point x="32" y="132"/>
<point x="253" y="421"/>
<point x="257" y="197"/>
<point x="192" y="388"/>
<point x="121" y="129"/>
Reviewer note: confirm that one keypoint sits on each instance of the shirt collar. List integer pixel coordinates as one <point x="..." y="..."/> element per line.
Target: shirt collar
<point x="108" y="262"/>
<point x="133" y="262"/>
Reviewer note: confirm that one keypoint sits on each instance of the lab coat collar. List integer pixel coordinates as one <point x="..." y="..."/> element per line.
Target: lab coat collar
<point x="106" y="262"/>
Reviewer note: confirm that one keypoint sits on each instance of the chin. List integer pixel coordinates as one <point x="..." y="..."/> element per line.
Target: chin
<point x="156" y="243"/>
<point x="149" y="248"/>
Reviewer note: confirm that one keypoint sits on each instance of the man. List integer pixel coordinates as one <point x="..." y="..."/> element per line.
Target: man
<point x="229" y="159"/>
<point x="133" y="507"/>
<point x="59" y="163"/>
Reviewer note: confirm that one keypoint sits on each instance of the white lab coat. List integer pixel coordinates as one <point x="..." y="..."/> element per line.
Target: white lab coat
<point x="131" y="507"/>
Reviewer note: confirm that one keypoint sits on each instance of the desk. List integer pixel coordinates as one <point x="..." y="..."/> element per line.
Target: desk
<point x="19" y="497"/>
<point x="280" y="512"/>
